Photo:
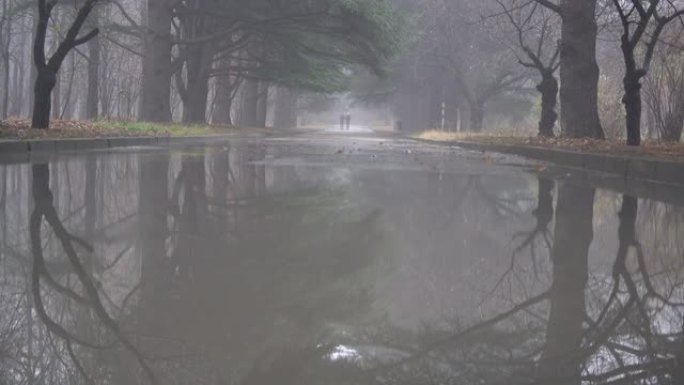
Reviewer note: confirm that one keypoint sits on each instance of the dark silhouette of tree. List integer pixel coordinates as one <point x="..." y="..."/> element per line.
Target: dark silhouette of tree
<point x="640" y="21"/>
<point x="532" y="19"/>
<point x="579" y="71"/>
<point x="47" y="69"/>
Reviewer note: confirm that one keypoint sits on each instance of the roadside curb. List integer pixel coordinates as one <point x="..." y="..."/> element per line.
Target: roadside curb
<point x="648" y="169"/>
<point x="18" y="147"/>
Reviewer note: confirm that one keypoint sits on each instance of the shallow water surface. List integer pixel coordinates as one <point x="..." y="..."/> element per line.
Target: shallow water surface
<point x="323" y="260"/>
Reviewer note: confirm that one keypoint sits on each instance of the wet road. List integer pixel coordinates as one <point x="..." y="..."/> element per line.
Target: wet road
<point x="323" y="259"/>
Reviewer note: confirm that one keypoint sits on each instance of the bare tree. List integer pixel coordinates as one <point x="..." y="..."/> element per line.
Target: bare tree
<point x="47" y="68"/>
<point x="579" y="71"/>
<point x="532" y="21"/>
<point x="641" y="24"/>
<point x="664" y="94"/>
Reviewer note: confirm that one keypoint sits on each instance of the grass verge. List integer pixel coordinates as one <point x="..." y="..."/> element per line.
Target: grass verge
<point x="61" y="129"/>
<point x="649" y="148"/>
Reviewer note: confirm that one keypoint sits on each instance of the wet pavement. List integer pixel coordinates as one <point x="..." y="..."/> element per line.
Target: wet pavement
<point x="327" y="259"/>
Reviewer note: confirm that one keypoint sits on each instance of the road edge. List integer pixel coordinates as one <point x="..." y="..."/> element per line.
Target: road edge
<point x="19" y="147"/>
<point x="647" y="169"/>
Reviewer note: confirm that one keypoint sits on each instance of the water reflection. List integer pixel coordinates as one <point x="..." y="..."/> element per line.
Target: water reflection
<point x="215" y="266"/>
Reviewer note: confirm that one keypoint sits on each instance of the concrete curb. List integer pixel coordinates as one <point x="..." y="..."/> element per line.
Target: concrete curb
<point x="647" y="169"/>
<point x="19" y="147"/>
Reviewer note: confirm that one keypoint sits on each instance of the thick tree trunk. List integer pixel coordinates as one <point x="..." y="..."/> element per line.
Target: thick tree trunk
<point x="250" y="101"/>
<point x="549" y="91"/>
<point x="195" y="107"/>
<point x="155" y="98"/>
<point x="92" y="103"/>
<point x="262" y="104"/>
<point x="285" y="115"/>
<point x="477" y="113"/>
<point x="572" y="236"/>
<point x="223" y="104"/>
<point x="579" y="71"/>
<point x="198" y="67"/>
<point x="42" y="105"/>
<point x="632" y="102"/>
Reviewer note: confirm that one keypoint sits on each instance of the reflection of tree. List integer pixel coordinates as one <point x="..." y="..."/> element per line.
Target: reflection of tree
<point x="245" y="275"/>
<point x="632" y="335"/>
<point x="572" y="237"/>
<point x="44" y="210"/>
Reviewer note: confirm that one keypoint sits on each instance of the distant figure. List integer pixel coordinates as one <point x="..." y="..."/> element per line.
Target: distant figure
<point x="347" y="118"/>
<point x="399" y="128"/>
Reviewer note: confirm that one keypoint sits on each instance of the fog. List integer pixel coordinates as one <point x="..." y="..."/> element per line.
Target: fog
<point x="298" y="230"/>
<point x="508" y="66"/>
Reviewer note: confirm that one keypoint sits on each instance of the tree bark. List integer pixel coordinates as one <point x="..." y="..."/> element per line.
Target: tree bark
<point x="223" y="102"/>
<point x="579" y="71"/>
<point x="42" y="96"/>
<point x="92" y="103"/>
<point x="5" y="41"/>
<point x="549" y="91"/>
<point x="285" y="115"/>
<point x="632" y="102"/>
<point x="477" y="112"/>
<point x="250" y="101"/>
<point x="155" y="97"/>
<point x="262" y="104"/>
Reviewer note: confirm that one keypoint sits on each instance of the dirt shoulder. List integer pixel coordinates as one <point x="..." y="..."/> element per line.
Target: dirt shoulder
<point x="664" y="151"/>
<point x="63" y="129"/>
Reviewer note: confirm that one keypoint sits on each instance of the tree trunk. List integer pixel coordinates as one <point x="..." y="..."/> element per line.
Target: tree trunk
<point x="155" y="97"/>
<point x="572" y="236"/>
<point x="262" y="104"/>
<point x="5" y="41"/>
<point x="224" y="99"/>
<point x="285" y="115"/>
<point x="92" y="104"/>
<point x="632" y="102"/>
<point x="477" y="112"/>
<point x="250" y="101"/>
<point x="579" y="71"/>
<point x="5" y="83"/>
<point x="198" y="66"/>
<point x="549" y="91"/>
<point x="45" y="83"/>
<point x="33" y="71"/>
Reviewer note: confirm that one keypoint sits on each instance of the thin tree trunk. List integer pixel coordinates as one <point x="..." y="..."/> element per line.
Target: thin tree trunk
<point x="6" y="39"/>
<point x="34" y="70"/>
<point x="549" y="91"/>
<point x="92" y="103"/>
